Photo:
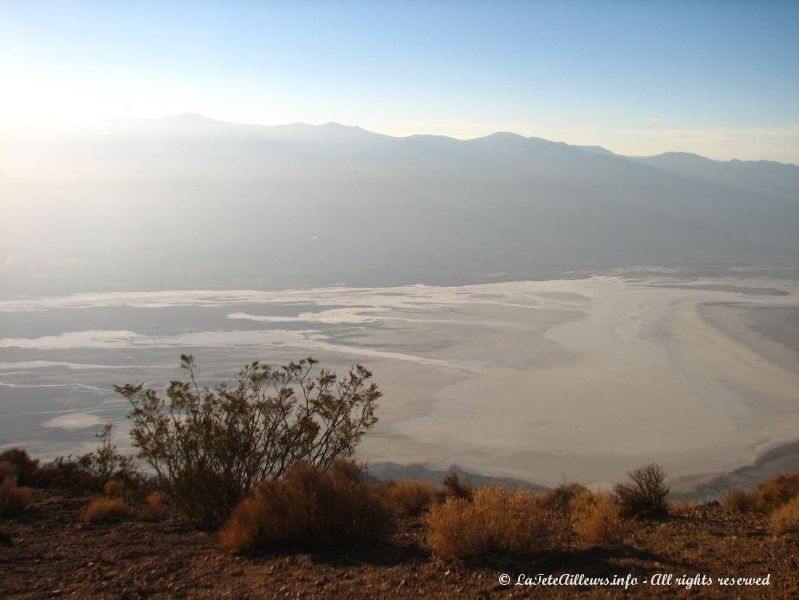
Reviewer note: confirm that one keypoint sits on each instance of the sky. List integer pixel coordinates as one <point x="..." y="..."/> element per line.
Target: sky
<point x="716" y="78"/>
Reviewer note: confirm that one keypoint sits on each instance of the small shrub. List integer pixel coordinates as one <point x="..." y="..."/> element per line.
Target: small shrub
<point x="26" y="467"/>
<point x="13" y="499"/>
<point x="7" y="470"/>
<point x="645" y="495"/>
<point x="597" y="521"/>
<point x="786" y="518"/>
<point x="212" y="446"/>
<point x="776" y="492"/>
<point x="90" y="472"/>
<point x="154" y="507"/>
<point x="105" y="510"/>
<point x="309" y="506"/>
<point x="409" y="497"/>
<point x="738" y="501"/>
<point x="114" y="488"/>
<point x="495" y="520"/>
<point x="560" y="498"/>
<point x="107" y="463"/>
<point x="68" y="474"/>
<point x="455" y="488"/>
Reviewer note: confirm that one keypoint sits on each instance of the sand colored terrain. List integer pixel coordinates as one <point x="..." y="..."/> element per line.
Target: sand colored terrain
<point x="632" y="373"/>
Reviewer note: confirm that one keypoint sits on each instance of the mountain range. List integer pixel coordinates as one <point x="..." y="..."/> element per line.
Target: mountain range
<point x="187" y="201"/>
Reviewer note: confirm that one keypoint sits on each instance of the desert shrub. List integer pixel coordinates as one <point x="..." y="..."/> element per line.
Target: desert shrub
<point x="114" y="488"/>
<point x="107" y="462"/>
<point x="66" y="473"/>
<point x="213" y="445"/>
<point x="7" y="470"/>
<point x="105" y="510"/>
<point x="494" y="521"/>
<point x="154" y="507"/>
<point x="645" y="495"/>
<point x="561" y="497"/>
<point x="13" y="499"/>
<point x="597" y="521"/>
<point x="777" y="491"/>
<point x="26" y="468"/>
<point x="739" y="501"/>
<point x="308" y="506"/>
<point x="455" y="488"/>
<point x="91" y="471"/>
<point x="786" y="518"/>
<point x="409" y="497"/>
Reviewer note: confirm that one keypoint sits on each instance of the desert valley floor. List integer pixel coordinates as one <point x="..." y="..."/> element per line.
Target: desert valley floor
<point x="545" y="381"/>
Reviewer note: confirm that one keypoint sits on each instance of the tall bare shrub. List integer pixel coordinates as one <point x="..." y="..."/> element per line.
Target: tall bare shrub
<point x="645" y="495"/>
<point x="213" y="445"/>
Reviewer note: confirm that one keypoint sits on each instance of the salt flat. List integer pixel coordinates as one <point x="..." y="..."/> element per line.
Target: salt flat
<point x="546" y="381"/>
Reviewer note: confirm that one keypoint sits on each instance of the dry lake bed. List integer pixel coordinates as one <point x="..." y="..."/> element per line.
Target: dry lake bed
<point x="546" y="381"/>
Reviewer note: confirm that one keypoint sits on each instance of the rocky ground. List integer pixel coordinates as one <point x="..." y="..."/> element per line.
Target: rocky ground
<point x="54" y="555"/>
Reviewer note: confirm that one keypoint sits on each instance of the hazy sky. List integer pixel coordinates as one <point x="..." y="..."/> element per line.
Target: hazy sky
<point x="717" y="78"/>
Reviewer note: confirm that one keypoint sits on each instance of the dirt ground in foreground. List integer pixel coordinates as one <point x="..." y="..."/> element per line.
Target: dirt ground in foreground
<point x="54" y="555"/>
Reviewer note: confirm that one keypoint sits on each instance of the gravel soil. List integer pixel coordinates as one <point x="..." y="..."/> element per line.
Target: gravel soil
<point x="55" y="555"/>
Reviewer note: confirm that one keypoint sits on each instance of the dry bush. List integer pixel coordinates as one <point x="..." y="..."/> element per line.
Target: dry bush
<point x="597" y="521"/>
<point x="409" y="497"/>
<point x="738" y="501"/>
<point x="776" y="492"/>
<point x="645" y="495"/>
<point x="26" y="468"/>
<point x="786" y="518"/>
<point x="90" y="472"/>
<point x="212" y="446"/>
<point x="13" y="499"/>
<point x="7" y="470"/>
<point x="105" y="510"/>
<point x="494" y="521"/>
<point x="66" y="473"/>
<point x="114" y="488"/>
<point x="455" y="488"/>
<point x="309" y="506"/>
<point x="560" y="498"/>
<point x="154" y="507"/>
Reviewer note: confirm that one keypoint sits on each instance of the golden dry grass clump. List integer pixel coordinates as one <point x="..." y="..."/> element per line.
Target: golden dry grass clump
<point x="154" y="507"/>
<point x="409" y="497"/>
<point x="309" y="506"/>
<point x="105" y="510"/>
<point x="495" y="521"/>
<point x="776" y="492"/>
<point x="597" y="520"/>
<point x="786" y="518"/>
<point x="13" y="499"/>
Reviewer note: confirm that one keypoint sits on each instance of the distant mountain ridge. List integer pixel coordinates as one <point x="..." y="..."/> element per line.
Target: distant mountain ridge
<point x="295" y="205"/>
